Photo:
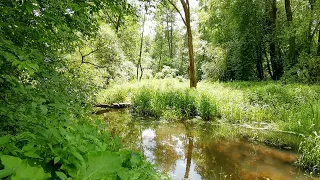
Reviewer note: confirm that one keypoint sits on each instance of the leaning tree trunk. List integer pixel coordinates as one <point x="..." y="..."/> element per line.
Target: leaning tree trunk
<point x="192" y="72"/>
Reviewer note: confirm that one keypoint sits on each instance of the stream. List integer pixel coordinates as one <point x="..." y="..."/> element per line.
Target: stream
<point x="186" y="151"/>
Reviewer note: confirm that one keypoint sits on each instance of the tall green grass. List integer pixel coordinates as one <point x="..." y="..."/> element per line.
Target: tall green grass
<point x="180" y="103"/>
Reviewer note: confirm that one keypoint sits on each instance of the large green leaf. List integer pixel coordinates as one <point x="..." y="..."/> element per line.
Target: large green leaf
<point x="99" y="165"/>
<point x="21" y="170"/>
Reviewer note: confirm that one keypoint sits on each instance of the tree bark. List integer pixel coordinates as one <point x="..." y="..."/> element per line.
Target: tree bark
<point x="192" y="72"/>
<point x="186" y="8"/>
<point x="292" y="57"/>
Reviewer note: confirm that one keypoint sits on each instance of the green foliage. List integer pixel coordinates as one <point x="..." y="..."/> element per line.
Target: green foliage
<point x="259" y="44"/>
<point x="80" y="151"/>
<point x="45" y="98"/>
<point x="306" y="71"/>
<point x="310" y="150"/>
<point x="17" y="169"/>
<point x="207" y="108"/>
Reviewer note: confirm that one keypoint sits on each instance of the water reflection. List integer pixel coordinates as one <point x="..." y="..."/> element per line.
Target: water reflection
<point x="185" y="152"/>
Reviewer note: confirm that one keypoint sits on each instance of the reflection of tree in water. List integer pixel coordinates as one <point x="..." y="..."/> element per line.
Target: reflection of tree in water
<point x="121" y="123"/>
<point x="167" y="146"/>
<point x="188" y="155"/>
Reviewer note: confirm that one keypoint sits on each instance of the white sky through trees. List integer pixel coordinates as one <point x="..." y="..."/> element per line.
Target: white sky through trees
<point x="150" y="24"/>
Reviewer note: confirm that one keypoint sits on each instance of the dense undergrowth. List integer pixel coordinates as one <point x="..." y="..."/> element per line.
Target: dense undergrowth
<point x="292" y="108"/>
<point x="80" y="150"/>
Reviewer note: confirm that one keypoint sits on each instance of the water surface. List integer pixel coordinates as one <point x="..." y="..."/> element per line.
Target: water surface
<point x="186" y="151"/>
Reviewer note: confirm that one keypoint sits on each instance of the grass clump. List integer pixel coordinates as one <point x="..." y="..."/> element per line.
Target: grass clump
<point x="207" y="108"/>
<point x="175" y="103"/>
<point x="310" y="150"/>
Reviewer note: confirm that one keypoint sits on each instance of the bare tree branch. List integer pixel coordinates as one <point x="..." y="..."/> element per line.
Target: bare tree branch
<point x="86" y="62"/>
<point x="175" y="7"/>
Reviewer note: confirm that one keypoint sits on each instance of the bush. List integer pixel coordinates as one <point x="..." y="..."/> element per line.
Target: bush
<point x="74" y="150"/>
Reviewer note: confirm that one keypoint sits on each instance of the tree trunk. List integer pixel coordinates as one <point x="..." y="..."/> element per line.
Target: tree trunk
<point x="192" y="72"/>
<point x="276" y="62"/>
<point x="259" y="64"/>
<point x="318" y="53"/>
<point x="168" y="34"/>
<point x="292" y="57"/>
<point x="171" y="34"/>
<point x="139" y="66"/>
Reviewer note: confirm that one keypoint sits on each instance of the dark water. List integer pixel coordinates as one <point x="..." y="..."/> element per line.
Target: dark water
<point x="186" y="151"/>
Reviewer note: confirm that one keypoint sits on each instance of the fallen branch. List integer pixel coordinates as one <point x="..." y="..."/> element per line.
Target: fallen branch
<point x="114" y="105"/>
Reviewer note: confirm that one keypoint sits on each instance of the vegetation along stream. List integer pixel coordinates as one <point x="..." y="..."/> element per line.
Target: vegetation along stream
<point x="199" y="151"/>
<point x="212" y="89"/>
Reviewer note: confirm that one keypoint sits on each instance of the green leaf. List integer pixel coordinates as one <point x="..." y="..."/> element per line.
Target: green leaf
<point x="127" y="174"/>
<point x="21" y="170"/>
<point x="44" y="109"/>
<point x="75" y="7"/>
<point x="28" y="147"/>
<point x="6" y="172"/>
<point x="29" y="7"/>
<point x="61" y="175"/>
<point x="99" y="165"/>
<point x="56" y="160"/>
<point x="77" y="155"/>
<point x="135" y="160"/>
<point x="11" y="162"/>
<point x="4" y="140"/>
<point x="27" y="172"/>
<point x="32" y="154"/>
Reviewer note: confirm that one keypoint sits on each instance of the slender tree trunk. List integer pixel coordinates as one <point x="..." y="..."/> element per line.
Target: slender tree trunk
<point x="118" y="23"/>
<point x="160" y="56"/>
<point x="192" y="72"/>
<point x="168" y="34"/>
<point x="259" y="64"/>
<point x="139" y="66"/>
<point x="292" y="57"/>
<point x="171" y="34"/>
<point x="318" y="53"/>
